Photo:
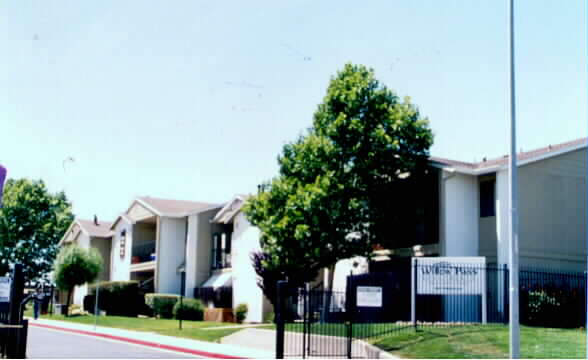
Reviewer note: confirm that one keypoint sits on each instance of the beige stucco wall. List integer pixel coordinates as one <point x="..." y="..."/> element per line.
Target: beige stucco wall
<point x="103" y="246"/>
<point x="459" y="215"/>
<point x="170" y="254"/>
<point x="552" y="212"/>
<point x="143" y="233"/>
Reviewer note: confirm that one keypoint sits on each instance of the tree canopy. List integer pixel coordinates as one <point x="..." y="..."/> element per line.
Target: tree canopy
<point x="32" y="221"/>
<point x="334" y="197"/>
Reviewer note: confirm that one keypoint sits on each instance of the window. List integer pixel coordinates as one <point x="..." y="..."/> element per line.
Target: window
<point x="487" y="203"/>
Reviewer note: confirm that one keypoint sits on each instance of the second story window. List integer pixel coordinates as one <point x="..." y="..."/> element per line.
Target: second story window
<point x="221" y="251"/>
<point x="487" y="201"/>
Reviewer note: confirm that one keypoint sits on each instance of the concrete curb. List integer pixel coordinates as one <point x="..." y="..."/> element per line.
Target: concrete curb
<point x="140" y="342"/>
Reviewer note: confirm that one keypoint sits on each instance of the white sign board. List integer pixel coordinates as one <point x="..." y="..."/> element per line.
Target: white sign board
<point x="450" y="275"/>
<point x="369" y="296"/>
<point x="4" y="289"/>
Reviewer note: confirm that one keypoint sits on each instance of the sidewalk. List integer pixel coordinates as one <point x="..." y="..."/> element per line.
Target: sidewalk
<point x="188" y="346"/>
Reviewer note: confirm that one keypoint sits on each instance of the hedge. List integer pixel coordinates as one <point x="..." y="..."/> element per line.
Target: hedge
<point x="189" y="309"/>
<point x="119" y="298"/>
<point x="162" y="305"/>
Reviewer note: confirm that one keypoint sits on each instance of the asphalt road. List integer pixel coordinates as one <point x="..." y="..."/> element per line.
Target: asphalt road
<point x="47" y="344"/>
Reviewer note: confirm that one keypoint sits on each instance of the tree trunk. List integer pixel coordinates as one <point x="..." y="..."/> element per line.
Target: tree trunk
<point x="328" y="293"/>
<point x="68" y="302"/>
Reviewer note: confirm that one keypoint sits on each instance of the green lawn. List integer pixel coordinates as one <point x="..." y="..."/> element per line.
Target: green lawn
<point x="463" y="342"/>
<point x="490" y="341"/>
<point x="190" y="329"/>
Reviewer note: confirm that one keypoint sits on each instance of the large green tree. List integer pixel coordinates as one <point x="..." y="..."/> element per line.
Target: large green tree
<point x="75" y="266"/>
<point x="32" y="221"/>
<point x="336" y="193"/>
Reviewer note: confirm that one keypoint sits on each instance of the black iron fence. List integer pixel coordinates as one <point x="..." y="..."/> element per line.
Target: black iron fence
<point x="326" y="323"/>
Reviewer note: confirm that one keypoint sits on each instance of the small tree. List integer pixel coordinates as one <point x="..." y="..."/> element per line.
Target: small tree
<point x="75" y="266"/>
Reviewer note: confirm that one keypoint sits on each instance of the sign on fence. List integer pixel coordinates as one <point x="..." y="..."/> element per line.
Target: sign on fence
<point x="369" y="296"/>
<point x="4" y="289"/>
<point x="448" y="276"/>
<point x="451" y="276"/>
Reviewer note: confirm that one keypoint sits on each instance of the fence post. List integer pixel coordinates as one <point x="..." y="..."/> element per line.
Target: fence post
<point x="413" y="294"/>
<point x="15" y="316"/>
<point x="280" y="330"/>
<point x="505" y="293"/>
<point x="350" y="301"/>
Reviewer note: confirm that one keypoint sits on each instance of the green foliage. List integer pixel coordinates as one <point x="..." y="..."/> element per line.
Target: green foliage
<point x="333" y="197"/>
<point x="189" y="309"/>
<point x="162" y="305"/>
<point x="76" y="266"/>
<point x="121" y="298"/>
<point x="241" y="312"/>
<point x="32" y="222"/>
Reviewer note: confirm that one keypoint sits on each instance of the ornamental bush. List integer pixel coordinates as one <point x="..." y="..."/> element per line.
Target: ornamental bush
<point x="241" y="312"/>
<point x="162" y="305"/>
<point x="189" y="309"/>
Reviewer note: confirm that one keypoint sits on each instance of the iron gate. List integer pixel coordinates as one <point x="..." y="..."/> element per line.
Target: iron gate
<point x="324" y="323"/>
<point x="312" y="323"/>
<point x="13" y="329"/>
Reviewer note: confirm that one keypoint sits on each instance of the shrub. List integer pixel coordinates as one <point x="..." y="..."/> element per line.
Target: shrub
<point x="189" y="309"/>
<point x="162" y="305"/>
<point x="241" y="312"/>
<point x="119" y="298"/>
<point x="541" y="305"/>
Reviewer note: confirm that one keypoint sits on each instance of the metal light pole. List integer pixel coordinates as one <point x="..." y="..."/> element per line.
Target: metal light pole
<point x="512" y="192"/>
<point x="96" y="308"/>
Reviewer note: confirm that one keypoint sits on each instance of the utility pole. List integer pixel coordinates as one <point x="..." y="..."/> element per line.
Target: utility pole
<point x="512" y="191"/>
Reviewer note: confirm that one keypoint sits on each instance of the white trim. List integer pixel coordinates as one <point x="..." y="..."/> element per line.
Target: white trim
<point x="144" y="266"/>
<point x="227" y="207"/>
<point x="124" y="217"/>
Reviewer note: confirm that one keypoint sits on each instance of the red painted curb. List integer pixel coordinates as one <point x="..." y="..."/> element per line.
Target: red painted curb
<point x="141" y="342"/>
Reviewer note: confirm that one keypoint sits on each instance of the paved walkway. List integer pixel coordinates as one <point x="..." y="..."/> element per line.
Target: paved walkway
<point x="320" y="346"/>
<point x="187" y="346"/>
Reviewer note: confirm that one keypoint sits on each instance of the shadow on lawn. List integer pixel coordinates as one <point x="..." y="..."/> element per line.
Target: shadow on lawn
<point x="423" y="336"/>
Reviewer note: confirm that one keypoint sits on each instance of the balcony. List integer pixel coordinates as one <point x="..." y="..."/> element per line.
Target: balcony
<point x="221" y="259"/>
<point x="143" y="253"/>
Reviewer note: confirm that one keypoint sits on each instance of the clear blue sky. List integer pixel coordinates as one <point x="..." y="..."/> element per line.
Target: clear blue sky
<point x="194" y="100"/>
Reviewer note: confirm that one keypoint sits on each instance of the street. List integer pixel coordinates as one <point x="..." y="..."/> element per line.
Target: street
<point x="46" y="343"/>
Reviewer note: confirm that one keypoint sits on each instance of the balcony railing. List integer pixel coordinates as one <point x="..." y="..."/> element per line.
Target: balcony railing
<point x="221" y="259"/>
<point x="221" y="297"/>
